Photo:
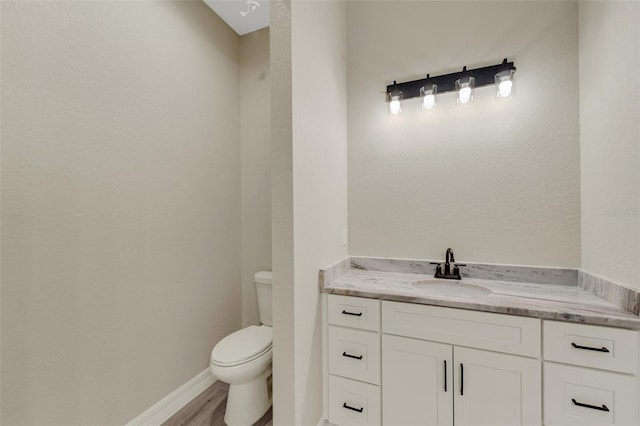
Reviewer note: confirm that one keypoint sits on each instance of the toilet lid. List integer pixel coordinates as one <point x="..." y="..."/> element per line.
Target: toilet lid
<point x="242" y="345"/>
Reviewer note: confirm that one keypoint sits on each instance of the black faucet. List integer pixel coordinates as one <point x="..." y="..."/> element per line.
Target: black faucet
<point x="448" y="260"/>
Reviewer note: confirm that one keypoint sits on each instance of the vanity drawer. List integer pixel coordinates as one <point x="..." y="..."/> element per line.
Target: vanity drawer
<point x="494" y="332"/>
<point x="354" y="354"/>
<point x="353" y="403"/>
<point x="579" y="396"/>
<point x="356" y="312"/>
<point x="605" y="348"/>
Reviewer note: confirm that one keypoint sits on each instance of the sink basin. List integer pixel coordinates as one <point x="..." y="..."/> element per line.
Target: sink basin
<point x="451" y="288"/>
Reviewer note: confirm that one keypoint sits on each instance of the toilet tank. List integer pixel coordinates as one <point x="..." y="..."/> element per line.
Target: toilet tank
<point x="263" y="280"/>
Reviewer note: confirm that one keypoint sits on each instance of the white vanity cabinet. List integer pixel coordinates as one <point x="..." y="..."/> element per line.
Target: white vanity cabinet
<point x="396" y="363"/>
<point x="433" y="383"/>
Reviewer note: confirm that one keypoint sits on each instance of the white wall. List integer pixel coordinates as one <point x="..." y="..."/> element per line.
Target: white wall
<point x="255" y="142"/>
<point x="120" y="204"/>
<point x="497" y="181"/>
<point x="314" y="182"/>
<point x="610" y="139"/>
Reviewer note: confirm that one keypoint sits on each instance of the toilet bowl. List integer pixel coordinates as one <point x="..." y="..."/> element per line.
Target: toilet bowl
<point x="243" y="360"/>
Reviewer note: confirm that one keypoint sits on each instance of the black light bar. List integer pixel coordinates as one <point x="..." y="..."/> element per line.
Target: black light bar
<point x="447" y="83"/>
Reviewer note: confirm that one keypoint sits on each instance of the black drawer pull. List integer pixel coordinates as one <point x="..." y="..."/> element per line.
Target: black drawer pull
<point x="359" y="410"/>
<point x="352" y="356"/>
<point x="593" y="407"/>
<point x="445" y="375"/>
<point x="461" y="379"/>
<point x="587" y="348"/>
<point x="359" y="314"/>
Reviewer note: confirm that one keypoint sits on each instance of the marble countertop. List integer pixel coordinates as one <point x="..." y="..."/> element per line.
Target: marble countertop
<point x="545" y="301"/>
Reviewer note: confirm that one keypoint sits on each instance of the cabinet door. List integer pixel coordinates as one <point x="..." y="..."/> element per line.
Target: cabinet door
<point x="417" y="383"/>
<point x="496" y="389"/>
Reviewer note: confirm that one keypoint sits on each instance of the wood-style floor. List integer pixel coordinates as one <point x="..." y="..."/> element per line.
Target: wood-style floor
<point x="208" y="408"/>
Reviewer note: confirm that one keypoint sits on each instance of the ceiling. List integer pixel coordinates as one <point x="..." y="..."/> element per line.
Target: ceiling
<point x="244" y="16"/>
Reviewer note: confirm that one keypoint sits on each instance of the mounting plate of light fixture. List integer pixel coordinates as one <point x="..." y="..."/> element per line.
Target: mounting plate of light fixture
<point x="462" y="82"/>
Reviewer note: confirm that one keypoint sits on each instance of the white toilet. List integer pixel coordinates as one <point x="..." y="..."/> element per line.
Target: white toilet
<point x="243" y="359"/>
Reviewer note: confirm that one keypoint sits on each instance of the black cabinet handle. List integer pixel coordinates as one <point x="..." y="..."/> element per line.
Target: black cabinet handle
<point x="359" y="410"/>
<point x="352" y="356"/>
<point x="461" y="379"/>
<point x="593" y="407"/>
<point x="587" y="348"/>
<point x="359" y="314"/>
<point x="445" y="375"/>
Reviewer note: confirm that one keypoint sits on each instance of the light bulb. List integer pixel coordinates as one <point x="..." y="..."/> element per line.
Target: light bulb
<point x="464" y="86"/>
<point x="428" y="102"/>
<point x="428" y="94"/>
<point x="394" y="106"/>
<point x="464" y="95"/>
<point x="504" y="84"/>
<point x="504" y="88"/>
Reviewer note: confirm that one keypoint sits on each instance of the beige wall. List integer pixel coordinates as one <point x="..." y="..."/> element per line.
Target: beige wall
<point x="120" y="204"/>
<point x="319" y="91"/>
<point x="255" y="142"/>
<point x="310" y="170"/>
<point x="610" y="139"/>
<point x="284" y="397"/>
<point x="497" y="181"/>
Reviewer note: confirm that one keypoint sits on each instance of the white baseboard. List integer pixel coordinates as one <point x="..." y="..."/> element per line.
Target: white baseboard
<point x="172" y="403"/>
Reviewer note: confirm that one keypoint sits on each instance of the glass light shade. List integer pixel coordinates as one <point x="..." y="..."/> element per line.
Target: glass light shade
<point x="429" y="97"/>
<point x="465" y="90"/>
<point x="465" y="94"/>
<point x="504" y="84"/>
<point x="395" y="107"/>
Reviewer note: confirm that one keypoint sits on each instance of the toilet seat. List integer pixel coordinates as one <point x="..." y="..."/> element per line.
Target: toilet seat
<point x="242" y="346"/>
<point x="243" y="361"/>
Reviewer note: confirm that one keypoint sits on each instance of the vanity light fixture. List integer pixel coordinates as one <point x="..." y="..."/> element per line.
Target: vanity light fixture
<point x="462" y="82"/>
